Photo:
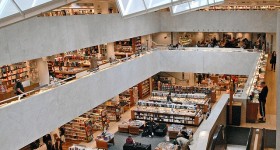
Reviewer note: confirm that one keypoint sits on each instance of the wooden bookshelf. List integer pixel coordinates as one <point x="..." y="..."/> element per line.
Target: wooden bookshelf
<point x="79" y="129"/>
<point x="144" y="89"/>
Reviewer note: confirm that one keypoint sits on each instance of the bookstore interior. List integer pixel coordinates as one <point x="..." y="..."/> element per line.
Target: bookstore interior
<point x="174" y="101"/>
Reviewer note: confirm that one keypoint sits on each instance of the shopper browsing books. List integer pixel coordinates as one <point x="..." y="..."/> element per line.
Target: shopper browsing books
<point x="169" y="99"/>
<point x="182" y="141"/>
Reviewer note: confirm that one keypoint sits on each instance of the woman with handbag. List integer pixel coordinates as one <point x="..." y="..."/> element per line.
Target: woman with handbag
<point x="273" y="61"/>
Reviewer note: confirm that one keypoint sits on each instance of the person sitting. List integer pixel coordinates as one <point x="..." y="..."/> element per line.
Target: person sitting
<point x="151" y="127"/>
<point x="129" y="140"/>
<point x="146" y="130"/>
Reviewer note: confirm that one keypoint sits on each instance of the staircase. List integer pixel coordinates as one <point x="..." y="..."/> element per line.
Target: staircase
<point x="239" y="138"/>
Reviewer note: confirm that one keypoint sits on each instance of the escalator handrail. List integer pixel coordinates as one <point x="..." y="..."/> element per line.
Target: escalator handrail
<point x="249" y="139"/>
<point x="262" y="142"/>
<point x="215" y="136"/>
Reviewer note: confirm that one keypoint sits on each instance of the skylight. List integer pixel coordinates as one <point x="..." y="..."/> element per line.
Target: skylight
<point x="193" y="5"/>
<point x="11" y="7"/>
<point x="138" y="7"/>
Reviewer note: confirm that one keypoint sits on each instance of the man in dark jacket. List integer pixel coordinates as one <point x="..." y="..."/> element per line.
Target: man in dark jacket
<point x="262" y="101"/>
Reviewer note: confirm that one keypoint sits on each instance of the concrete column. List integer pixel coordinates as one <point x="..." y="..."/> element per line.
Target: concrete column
<point x="43" y="72"/>
<point x="278" y="82"/>
<point x="110" y="50"/>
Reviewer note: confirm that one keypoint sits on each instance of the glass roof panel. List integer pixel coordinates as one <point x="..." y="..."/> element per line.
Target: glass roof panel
<point x="7" y="8"/>
<point x="216" y="1"/>
<point x="155" y="3"/>
<point x="203" y="2"/>
<point x="180" y="8"/>
<point x="211" y="1"/>
<point x="194" y="4"/>
<point x="27" y="4"/>
<point x="131" y="6"/>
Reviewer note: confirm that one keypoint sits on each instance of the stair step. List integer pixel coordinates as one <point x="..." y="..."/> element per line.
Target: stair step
<point x="236" y="147"/>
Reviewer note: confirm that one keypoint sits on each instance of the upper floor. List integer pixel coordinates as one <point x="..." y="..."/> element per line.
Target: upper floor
<point x="45" y="36"/>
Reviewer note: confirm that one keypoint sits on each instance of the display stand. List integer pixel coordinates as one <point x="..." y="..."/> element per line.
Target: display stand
<point x="201" y="100"/>
<point x="168" y="113"/>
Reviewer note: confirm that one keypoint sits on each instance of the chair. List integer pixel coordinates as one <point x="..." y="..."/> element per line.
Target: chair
<point x="161" y="129"/>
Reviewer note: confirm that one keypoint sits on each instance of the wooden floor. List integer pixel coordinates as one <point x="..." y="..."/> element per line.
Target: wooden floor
<point x="270" y="79"/>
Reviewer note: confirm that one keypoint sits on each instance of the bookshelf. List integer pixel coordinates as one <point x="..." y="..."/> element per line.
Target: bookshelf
<point x="80" y="129"/>
<point x="144" y="89"/>
<point x="9" y="73"/>
<point x="128" y="98"/>
<point x="138" y="44"/>
<point x="113" y="110"/>
<point x="200" y="99"/>
<point x="168" y="115"/>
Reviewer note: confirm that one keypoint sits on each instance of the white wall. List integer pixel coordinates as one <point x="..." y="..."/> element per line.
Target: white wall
<point x="220" y="21"/>
<point x="45" y="36"/>
<point x="236" y="63"/>
<point x="37" y="115"/>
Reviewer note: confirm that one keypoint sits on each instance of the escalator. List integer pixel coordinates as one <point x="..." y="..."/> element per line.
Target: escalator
<point x="240" y="138"/>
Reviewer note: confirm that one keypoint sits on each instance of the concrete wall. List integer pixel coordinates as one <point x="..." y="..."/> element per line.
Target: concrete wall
<point x="45" y="36"/>
<point x="37" y="115"/>
<point x="220" y="21"/>
<point x="208" y="62"/>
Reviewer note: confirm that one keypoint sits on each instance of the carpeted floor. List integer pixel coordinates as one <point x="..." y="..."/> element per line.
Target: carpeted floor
<point x="270" y="138"/>
<point x="121" y="137"/>
<point x="237" y="135"/>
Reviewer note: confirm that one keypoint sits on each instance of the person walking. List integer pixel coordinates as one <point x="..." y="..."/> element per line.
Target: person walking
<point x="262" y="101"/>
<point x="273" y="61"/>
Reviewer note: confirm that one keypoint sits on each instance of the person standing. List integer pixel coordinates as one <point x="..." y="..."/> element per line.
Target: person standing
<point x="262" y="101"/>
<point x="58" y="144"/>
<point x="3" y="88"/>
<point x="273" y="61"/>
<point x="199" y="78"/>
<point x="169" y="99"/>
<point x="19" y="88"/>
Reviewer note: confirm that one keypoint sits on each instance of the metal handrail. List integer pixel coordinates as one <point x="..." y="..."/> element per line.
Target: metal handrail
<point x="248" y="144"/>
<point x="219" y="131"/>
<point x="116" y="61"/>
<point x="59" y="83"/>
<point x="263" y="140"/>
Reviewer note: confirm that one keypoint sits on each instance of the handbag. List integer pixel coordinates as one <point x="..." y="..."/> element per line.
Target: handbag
<point x="270" y="61"/>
